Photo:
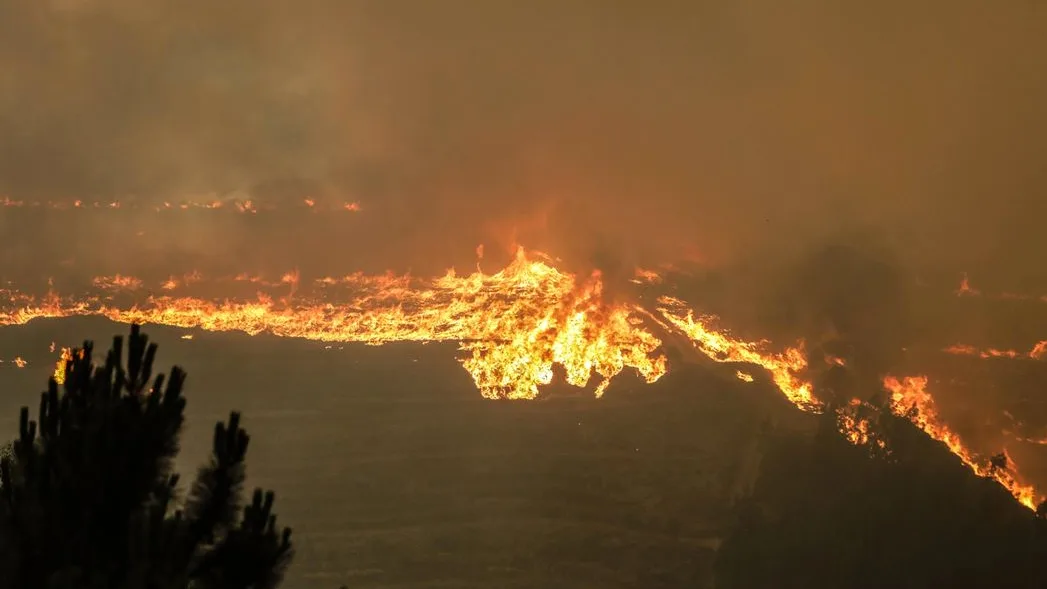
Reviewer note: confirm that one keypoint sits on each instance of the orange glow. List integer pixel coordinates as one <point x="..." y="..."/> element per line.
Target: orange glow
<point x="236" y="205"/>
<point x="1039" y="351"/>
<point x="965" y="288"/>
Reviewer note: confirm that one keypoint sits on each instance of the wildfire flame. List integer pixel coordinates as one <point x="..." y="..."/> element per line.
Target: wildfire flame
<point x="720" y="347"/>
<point x="909" y="397"/>
<point x="515" y="325"/>
<point x="1038" y="351"/>
<point x="60" y="366"/>
<point x="857" y="430"/>
<point x="516" y="329"/>
<point x="18" y="362"/>
<point x="965" y="290"/>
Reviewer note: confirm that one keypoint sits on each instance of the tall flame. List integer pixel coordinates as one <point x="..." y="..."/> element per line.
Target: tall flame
<point x="516" y="327"/>
<point x="516" y="324"/>
<point x="60" y="366"/>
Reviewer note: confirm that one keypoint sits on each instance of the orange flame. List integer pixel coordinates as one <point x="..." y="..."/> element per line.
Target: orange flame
<point x="644" y="276"/>
<point x="909" y="397"/>
<point x="1038" y="351"/>
<point x="516" y="327"/>
<point x="60" y="365"/>
<point x="783" y="367"/>
<point x="965" y="289"/>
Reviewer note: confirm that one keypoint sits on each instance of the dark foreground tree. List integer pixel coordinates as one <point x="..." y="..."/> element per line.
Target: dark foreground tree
<point x="88" y="498"/>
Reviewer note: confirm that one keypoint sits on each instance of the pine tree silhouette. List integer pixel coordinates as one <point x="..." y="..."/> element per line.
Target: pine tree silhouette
<point x="88" y="498"/>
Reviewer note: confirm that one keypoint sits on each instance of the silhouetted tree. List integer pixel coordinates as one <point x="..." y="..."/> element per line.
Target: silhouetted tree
<point x="88" y="498"/>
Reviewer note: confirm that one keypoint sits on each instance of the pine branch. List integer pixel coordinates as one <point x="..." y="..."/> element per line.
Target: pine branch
<point x="86" y="491"/>
<point x="215" y="497"/>
<point x="253" y="555"/>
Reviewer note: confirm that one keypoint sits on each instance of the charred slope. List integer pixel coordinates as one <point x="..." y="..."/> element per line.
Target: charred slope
<point x="824" y="513"/>
<point x="394" y="471"/>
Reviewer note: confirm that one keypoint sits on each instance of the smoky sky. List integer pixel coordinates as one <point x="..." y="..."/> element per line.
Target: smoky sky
<point x="668" y="129"/>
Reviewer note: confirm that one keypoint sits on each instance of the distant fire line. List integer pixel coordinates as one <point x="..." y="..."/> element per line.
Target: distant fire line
<point x="965" y="290"/>
<point x="235" y="205"/>
<point x="1038" y="352"/>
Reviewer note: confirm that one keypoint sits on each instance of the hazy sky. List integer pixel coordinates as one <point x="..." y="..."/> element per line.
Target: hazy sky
<point x="653" y="129"/>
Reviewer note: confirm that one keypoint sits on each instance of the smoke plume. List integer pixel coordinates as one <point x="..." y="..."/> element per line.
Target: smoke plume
<point x="677" y="129"/>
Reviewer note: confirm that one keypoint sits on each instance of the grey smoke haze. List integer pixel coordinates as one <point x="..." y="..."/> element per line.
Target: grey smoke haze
<point x="666" y="129"/>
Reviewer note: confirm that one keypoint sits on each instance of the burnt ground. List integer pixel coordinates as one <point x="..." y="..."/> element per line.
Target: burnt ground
<point x="394" y="472"/>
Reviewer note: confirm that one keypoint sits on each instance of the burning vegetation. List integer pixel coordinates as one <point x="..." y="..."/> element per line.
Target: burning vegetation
<point x="516" y="328"/>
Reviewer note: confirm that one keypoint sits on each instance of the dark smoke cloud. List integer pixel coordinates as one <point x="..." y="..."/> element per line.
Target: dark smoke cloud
<point x="852" y="300"/>
<point x="654" y="130"/>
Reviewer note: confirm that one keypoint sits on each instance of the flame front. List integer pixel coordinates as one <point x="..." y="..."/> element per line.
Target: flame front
<point x="1038" y="352"/>
<point x="516" y="327"/>
<point x="783" y="367"/>
<point x="909" y="397"/>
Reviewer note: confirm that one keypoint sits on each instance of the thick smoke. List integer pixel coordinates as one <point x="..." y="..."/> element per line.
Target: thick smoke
<point x="852" y="300"/>
<point x="676" y="129"/>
